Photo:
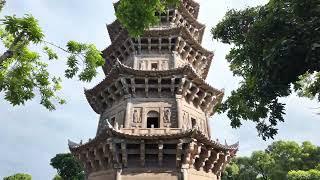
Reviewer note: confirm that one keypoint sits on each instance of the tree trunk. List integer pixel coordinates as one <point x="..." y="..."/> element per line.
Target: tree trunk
<point x="4" y="56"/>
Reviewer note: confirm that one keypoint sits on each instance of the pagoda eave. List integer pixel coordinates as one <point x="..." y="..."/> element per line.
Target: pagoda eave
<point x="123" y="77"/>
<point x="190" y="134"/>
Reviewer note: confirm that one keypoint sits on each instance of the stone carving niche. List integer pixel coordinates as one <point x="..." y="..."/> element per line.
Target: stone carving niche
<point x="137" y="118"/>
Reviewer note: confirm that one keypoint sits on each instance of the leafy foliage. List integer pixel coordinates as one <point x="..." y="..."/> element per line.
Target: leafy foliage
<point x="138" y="15"/>
<point x="18" y="176"/>
<point x="24" y="73"/>
<point x="2" y="3"/>
<point x="68" y="167"/>
<point x="304" y="175"/>
<point x="22" y="70"/>
<point x="57" y="177"/>
<point x="275" y="162"/>
<point x="275" y="45"/>
<point x="91" y="61"/>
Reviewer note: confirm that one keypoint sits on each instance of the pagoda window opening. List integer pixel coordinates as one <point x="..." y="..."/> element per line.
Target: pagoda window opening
<point x="144" y="41"/>
<point x="153" y="120"/>
<point x="154" y="47"/>
<point x="193" y="122"/>
<point x="139" y="81"/>
<point x="154" y="41"/>
<point x="165" y="81"/>
<point x="154" y="66"/>
<point x="153" y="81"/>
<point x="165" y="41"/>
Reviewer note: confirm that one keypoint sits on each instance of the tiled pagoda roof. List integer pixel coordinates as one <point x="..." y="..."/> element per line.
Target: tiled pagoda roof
<point x="192" y="133"/>
<point x="121" y="70"/>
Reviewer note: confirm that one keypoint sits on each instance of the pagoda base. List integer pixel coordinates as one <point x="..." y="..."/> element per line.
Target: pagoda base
<point x="152" y="174"/>
<point x="189" y="155"/>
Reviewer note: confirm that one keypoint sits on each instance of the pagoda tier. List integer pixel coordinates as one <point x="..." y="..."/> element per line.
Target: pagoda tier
<point x="123" y="81"/>
<point x="171" y="18"/>
<point x="177" y="41"/>
<point x="190" y="6"/>
<point x="114" y="153"/>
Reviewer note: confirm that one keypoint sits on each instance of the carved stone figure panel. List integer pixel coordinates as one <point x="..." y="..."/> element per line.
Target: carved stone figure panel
<point x="136" y="117"/>
<point x="186" y="121"/>
<point x="142" y="65"/>
<point x="167" y="115"/>
<point x="164" y="65"/>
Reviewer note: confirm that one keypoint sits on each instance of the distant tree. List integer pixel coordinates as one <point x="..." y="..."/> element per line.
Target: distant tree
<point x="18" y="176"/>
<point x="231" y="172"/>
<point x="287" y="155"/>
<point x="240" y="169"/>
<point x="57" y="177"/>
<point x="276" y="50"/>
<point x="138" y="15"/>
<point x="276" y="162"/>
<point x="24" y="72"/>
<point x="263" y="164"/>
<point x="68" y="167"/>
<point x="304" y="175"/>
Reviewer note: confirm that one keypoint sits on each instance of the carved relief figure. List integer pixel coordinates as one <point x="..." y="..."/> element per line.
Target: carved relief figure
<point x="185" y="123"/>
<point x="142" y="65"/>
<point x="164" y="65"/>
<point x="136" y="116"/>
<point x="167" y="116"/>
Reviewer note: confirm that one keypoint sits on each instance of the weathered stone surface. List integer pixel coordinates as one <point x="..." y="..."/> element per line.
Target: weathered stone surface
<point x="154" y="106"/>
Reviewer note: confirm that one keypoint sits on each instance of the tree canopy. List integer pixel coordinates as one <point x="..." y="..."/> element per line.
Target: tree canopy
<point x="68" y="167"/>
<point x="304" y="175"/>
<point x="276" y="50"/>
<point x="18" y="176"/>
<point x="138" y="15"/>
<point x="281" y="160"/>
<point x="24" y="72"/>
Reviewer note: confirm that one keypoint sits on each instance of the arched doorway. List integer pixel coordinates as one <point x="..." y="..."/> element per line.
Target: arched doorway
<point x="153" y="119"/>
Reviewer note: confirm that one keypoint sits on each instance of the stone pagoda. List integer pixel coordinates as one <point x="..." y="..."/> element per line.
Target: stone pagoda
<point x="154" y="105"/>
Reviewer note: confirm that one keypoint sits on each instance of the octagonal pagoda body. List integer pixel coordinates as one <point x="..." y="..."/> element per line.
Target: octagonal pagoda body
<point x="154" y="105"/>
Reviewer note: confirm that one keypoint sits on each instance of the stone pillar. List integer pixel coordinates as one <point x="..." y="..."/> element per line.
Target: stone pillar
<point x="135" y="62"/>
<point x="208" y="127"/>
<point x="144" y="118"/>
<point x="179" y="110"/>
<point x="184" y="174"/>
<point x="174" y="56"/>
<point x="161" y="115"/>
<point x="128" y="119"/>
<point x="118" y="174"/>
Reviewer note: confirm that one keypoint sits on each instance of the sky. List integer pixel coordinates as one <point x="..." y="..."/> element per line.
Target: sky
<point x="30" y="135"/>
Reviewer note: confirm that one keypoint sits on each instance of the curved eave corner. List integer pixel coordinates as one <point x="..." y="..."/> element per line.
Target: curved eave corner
<point x="91" y="101"/>
<point x="219" y="101"/>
